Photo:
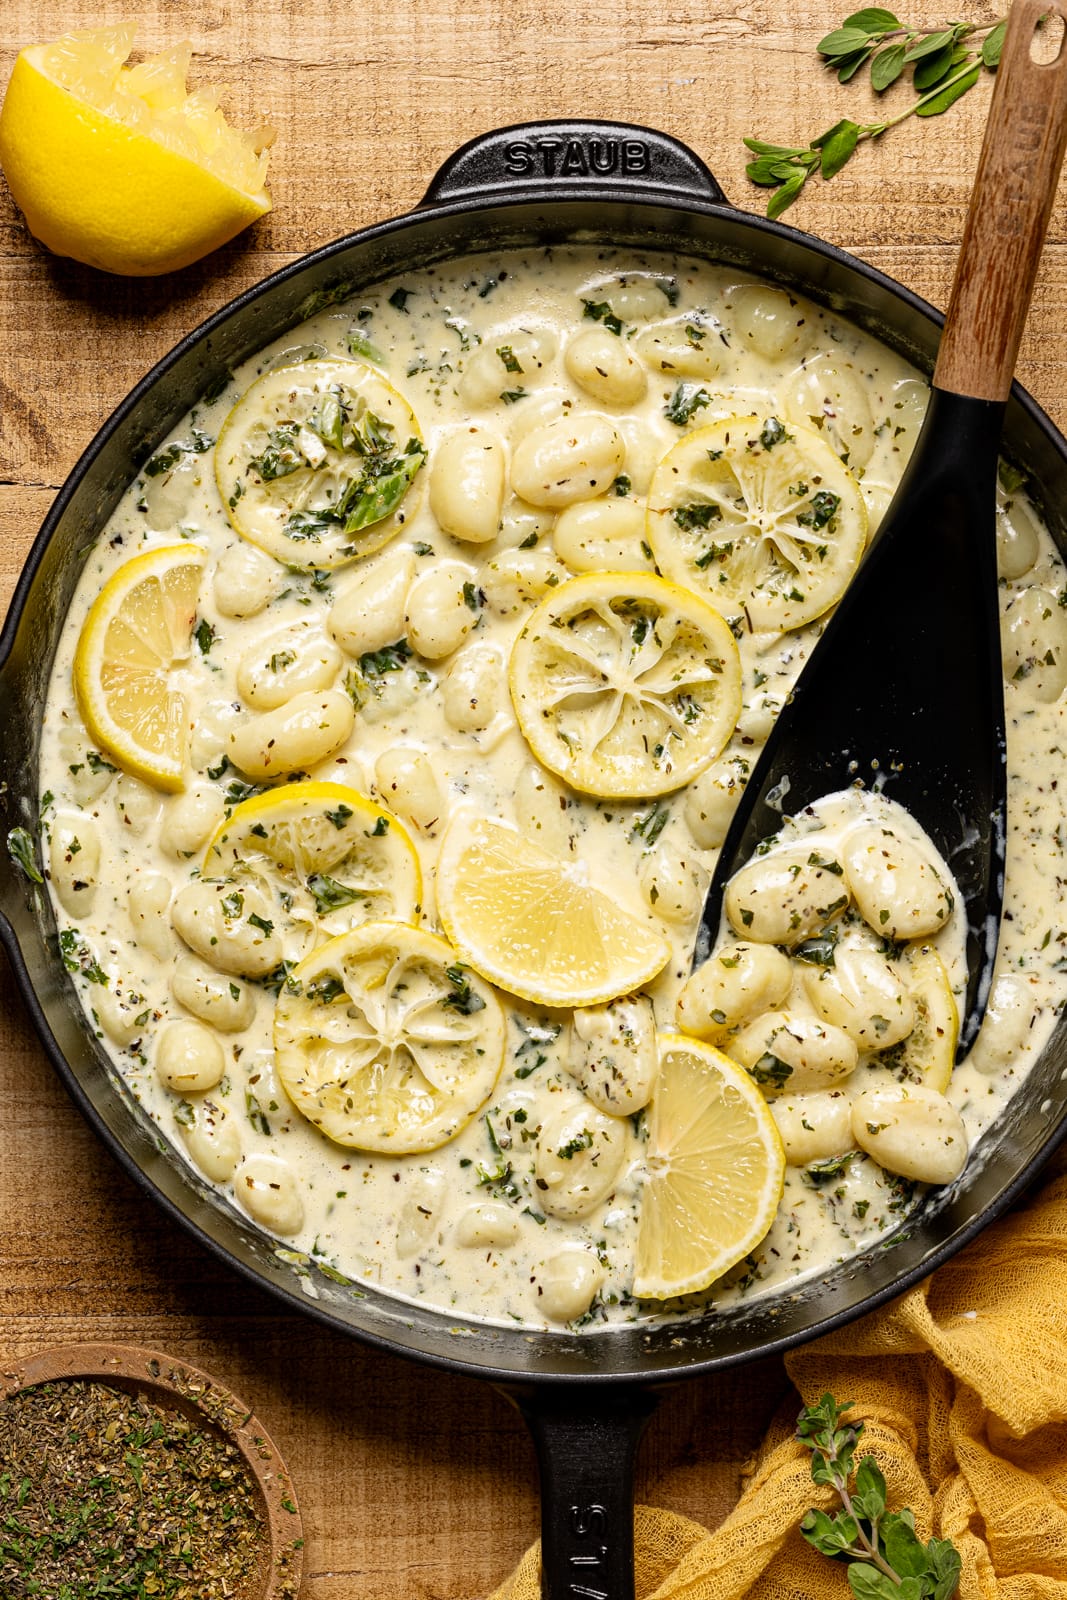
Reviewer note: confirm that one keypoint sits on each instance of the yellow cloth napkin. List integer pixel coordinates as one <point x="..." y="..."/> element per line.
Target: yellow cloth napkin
<point x="962" y="1385"/>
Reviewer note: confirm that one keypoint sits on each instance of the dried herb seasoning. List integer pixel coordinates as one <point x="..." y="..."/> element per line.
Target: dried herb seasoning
<point x="105" y="1495"/>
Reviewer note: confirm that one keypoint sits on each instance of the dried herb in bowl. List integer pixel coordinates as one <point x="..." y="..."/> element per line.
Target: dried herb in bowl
<point x="105" y="1494"/>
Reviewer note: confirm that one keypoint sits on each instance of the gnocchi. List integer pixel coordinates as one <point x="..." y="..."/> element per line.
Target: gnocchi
<point x="295" y="737"/>
<point x="468" y="479"/>
<point x="575" y="458"/>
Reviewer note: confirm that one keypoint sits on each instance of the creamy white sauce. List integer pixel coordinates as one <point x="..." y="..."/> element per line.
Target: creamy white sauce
<point x="413" y="1225"/>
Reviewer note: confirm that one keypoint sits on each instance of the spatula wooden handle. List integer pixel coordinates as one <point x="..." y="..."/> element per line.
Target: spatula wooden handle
<point x="1008" y="214"/>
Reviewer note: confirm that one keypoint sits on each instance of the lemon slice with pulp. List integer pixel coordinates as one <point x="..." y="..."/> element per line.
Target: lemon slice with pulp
<point x="624" y="684"/>
<point x="716" y="1171"/>
<point x="761" y="520"/>
<point x="315" y="460"/>
<point x="535" y="925"/>
<point x="333" y="856"/>
<point x="384" y="1042"/>
<point x="119" y="166"/>
<point x="928" y="1054"/>
<point x="136" y="634"/>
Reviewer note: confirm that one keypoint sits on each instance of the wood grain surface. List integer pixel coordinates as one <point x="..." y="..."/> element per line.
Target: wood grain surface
<point x="413" y="1485"/>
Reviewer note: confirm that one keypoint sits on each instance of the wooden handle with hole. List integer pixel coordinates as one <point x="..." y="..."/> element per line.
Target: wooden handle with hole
<point x="1009" y="210"/>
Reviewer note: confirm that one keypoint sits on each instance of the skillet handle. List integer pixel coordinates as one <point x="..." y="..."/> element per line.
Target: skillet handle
<point x="570" y="158"/>
<point x="586" y="1443"/>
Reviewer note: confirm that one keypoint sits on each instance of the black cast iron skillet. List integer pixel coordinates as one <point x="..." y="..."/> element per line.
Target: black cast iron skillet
<point x="588" y="1396"/>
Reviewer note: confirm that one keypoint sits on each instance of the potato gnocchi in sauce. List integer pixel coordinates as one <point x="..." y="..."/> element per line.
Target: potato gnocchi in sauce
<point x="384" y="497"/>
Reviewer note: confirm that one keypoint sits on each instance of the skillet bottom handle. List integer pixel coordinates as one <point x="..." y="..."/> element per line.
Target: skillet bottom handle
<point x="586" y="1443"/>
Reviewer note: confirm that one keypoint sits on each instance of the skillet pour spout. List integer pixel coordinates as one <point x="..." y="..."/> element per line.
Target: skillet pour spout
<point x="586" y="1395"/>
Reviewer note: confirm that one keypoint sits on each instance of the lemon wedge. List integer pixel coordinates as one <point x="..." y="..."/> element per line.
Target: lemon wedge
<point x="119" y="166"/>
<point x="535" y="925"/>
<point x="384" y="1042"/>
<point x="624" y="684"/>
<point x="315" y="460"/>
<point x="135" y="636"/>
<point x="759" y="519"/>
<point x="928" y="1054"/>
<point x="716" y="1170"/>
<point x="336" y="858"/>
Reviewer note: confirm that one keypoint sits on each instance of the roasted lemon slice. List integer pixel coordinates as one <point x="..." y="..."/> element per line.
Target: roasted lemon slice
<point x="385" y="1042"/>
<point x="336" y="857"/>
<point x="928" y="1054"/>
<point x="761" y="520"/>
<point x="625" y="685"/>
<point x="715" y="1171"/>
<point x="314" y="462"/>
<point x="535" y="925"/>
<point x="135" y="636"/>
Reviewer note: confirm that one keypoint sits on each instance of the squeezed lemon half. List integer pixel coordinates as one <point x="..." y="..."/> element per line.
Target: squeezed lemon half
<point x="716" y="1170"/>
<point x="120" y="167"/>
<point x="137" y="633"/>
<point x="762" y="520"/>
<point x="624" y="684"/>
<point x="385" y="1042"/>
<point x="315" y="460"/>
<point x="534" y="924"/>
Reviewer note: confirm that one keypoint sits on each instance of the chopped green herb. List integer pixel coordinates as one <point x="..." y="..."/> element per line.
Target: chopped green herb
<point x="79" y="959"/>
<point x="772" y="433"/>
<point x="822" y="509"/>
<point x="330" y="895"/>
<point x="463" y="998"/>
<point x="600" y="311"/>
<point x="696" y="516"/>
<point x="359" y="345"/>
<point x="771" y="1070"/>
<point x="686" y="399"/>
<point x="21" y="850"/>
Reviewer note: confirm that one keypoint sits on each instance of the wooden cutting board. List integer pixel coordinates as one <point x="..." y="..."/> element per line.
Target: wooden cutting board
<point x="414" y="1485"/>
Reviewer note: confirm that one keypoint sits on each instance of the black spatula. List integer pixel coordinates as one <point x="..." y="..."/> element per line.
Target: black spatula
<point x="904" y="690"/>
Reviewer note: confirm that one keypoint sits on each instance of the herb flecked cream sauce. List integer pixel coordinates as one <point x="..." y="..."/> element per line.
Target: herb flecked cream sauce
<point x="494" y="343"/>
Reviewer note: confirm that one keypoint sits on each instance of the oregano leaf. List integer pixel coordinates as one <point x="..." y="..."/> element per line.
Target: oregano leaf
<point x="843" y="42"/>
<point x="943" y="1565"/>
<point x="931" y="69"/>
<point x="867" y="1583"/>
<point x="758" y="147"/>
<point x="847" y="69"/>
<point x="783" y="199"/>
<point x="836" y="145"/>
<point x="993" y="44"/>
<point x="887" y="66"/>
<point x="949" y="96"/>
<point x="829" y="1535"/>
<point x="926" y="46"/>
<point x="872" y="19"/>
<point x="903" y="1550"/>
<point x="868" y="1497"/>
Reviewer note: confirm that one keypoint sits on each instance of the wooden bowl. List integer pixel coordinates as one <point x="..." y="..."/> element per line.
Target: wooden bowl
<point x="177" y="1386"/>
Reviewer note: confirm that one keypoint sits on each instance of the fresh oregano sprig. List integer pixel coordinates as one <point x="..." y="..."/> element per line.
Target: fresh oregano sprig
<point x="945" y="63"/>
<point x="887" y="1559"/>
